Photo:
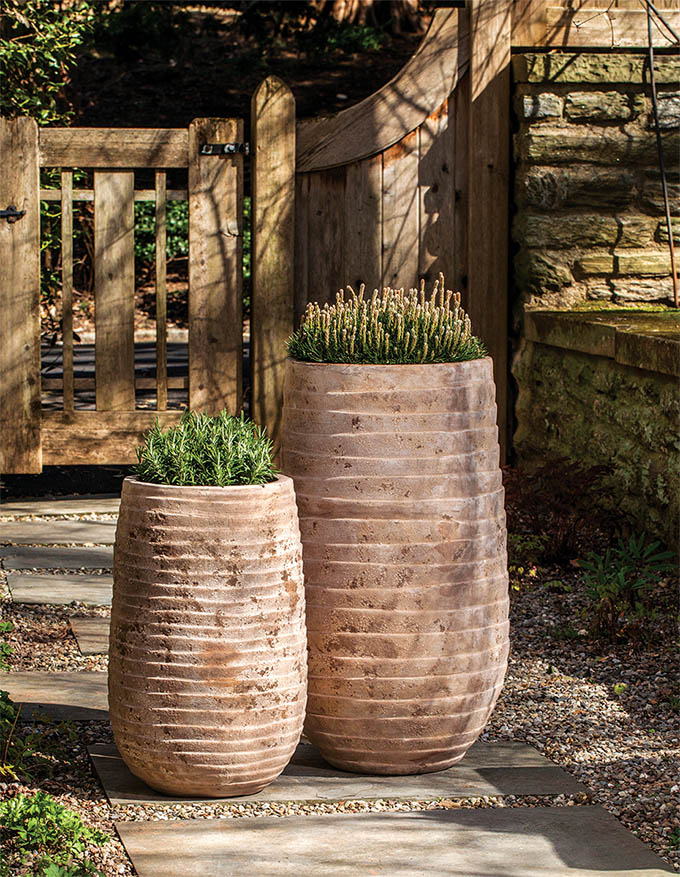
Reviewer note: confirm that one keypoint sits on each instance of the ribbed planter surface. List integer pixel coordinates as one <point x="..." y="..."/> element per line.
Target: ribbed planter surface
<point x="398" y="485"/>
<point x="207" y="666"/>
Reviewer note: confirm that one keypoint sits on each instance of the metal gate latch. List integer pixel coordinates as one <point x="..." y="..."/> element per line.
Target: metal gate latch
<point x="225" y="148"/>
<point x="11" y="214"/>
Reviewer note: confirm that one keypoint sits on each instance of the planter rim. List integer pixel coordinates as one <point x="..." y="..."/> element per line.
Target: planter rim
<point x="384" y="365"/>
<point x="231" y="488"/>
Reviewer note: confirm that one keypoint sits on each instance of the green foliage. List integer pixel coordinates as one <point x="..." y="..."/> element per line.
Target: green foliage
<point x="620" y="688"/>
<point x="33" y="752"/>
<point x="616" y="582"/>
<point x="205" y="450"/>
<point x="5" y="647"/>
<point x="526" y="547"/>
<point x="38" y="43"/>
<point x="177" y="231"/>
<point x="38" y="829"/>
<point x="394" y="327"/>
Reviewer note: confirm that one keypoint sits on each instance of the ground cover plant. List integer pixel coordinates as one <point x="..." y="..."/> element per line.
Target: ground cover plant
<point x="205" y="450"/>
<point x="395" y="327"/>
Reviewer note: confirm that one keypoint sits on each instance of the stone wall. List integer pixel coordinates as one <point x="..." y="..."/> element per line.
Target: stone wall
<point x="601" y="389"/>
<point x="589" y="220"/>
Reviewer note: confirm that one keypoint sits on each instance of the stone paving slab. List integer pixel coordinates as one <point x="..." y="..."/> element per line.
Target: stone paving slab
<point x="510" y="768"/>
<point x="493" y="842"/>
<point x="105" y="504"/>
<point x="92" y="634"/>
<point x="56" y="558"/>
<point x="73" y="696"/>
<point x="57" y="532"/>
<point x="64" y="588"/>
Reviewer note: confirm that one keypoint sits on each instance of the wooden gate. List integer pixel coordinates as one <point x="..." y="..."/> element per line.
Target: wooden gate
<point x="108" y="431"/>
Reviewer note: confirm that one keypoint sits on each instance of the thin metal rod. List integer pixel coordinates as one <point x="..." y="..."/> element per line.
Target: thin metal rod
<point x="67" y="287"/>
<point x="161" y="295"/>
<point x="663" y="21"/>
<point x="659" y="148"/>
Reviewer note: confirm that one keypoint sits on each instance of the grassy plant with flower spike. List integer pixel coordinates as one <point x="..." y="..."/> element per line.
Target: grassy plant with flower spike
<point x="396" y="327"/>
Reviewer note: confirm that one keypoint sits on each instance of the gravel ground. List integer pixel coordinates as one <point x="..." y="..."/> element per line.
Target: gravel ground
<point x="609" y="714"/>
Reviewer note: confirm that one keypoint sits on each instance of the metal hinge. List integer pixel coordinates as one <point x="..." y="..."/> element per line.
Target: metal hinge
<point x="225" y="149"/>
<point x="11" y="214"/>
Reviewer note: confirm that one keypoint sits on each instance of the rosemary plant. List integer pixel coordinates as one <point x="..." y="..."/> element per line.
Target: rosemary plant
<point x="204" y="450"/>
<point x="395" y="327"/>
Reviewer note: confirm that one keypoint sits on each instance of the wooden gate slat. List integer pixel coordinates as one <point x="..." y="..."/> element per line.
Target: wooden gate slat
<point x="215" y="248"/>
<point x="363" y="223"/>
<point x="67" y="286"/>
<point x="436" y="193"/>
<point x="400" y="213"/>
<point x="161" y="294"/>
<point x="273" y="186"/>
<point x="325" y="242"/>
<point x="20" y="440"/>
<point x="114" y="280"/>
<point x="459" y="111"/>
<point x="301" y="287"/>
<point x="488" y="166"/>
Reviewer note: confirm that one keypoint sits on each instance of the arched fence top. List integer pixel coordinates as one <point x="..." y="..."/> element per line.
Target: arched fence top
<point x="399" y="107"/>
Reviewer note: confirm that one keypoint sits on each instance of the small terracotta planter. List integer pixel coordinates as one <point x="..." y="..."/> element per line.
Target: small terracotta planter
<point x="398" y="485"/>
<point x="207" y="669"/>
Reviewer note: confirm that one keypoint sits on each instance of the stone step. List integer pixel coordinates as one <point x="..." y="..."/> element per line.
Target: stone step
<point x="91" y="633"/>
<point x="105" y="504"/>
<point x="508" y="768"/>
<point x="56" y="558"/>
<point x="507" y="842"/>
<point x="68" y="696"/>
<point x="60" y="588"/>
<point x="57" y="532"/>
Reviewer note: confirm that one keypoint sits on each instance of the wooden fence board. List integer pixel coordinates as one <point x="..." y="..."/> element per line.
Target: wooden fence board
<point x="363" y="223"/>
<point x="161" y="294"/>
<point x="114" y="281"/>
<point x="326" y="234"/>
<point x="67" y="286"/>
<point x="20" y="299"/>
<point x="400" y="209"/>
<point x="215" y="248"/>
<point x="489" y="186"/>
<point x="301" y="271"/>
<point x="436" y="167"/>
<point x="459" y="113"/>
<point x="98" y="437"/>
<point x="273" y="211"/>
<point x="114" y="147"/>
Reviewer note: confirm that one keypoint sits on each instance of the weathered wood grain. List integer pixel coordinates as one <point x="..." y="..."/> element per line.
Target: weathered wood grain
<point x="301" y="288"/>
<point x="20" y="300"/>
<point x="363" y="223"/>
<point x="459" y="113"/>
<point x="161" y="294"/>
<point x="114" y="280"/>
<point x="326" y="234"/>
<point x="114" y="147"/>
<point x="488" y="182"/>
<point x="215" y="249"/>
<point x="273" y="253"/>
<point x="384" y="118"/>
<point x="605" y="28"/>
<point x="88" y="194"/>
<point x="436" y="184"/>
<point x="400" y="210"/>
<point x="80" y="438"/>
<point x="67" y="286"/>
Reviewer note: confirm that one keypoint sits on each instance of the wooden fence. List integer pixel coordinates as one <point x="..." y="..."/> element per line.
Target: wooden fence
<point x="412" y="181"/>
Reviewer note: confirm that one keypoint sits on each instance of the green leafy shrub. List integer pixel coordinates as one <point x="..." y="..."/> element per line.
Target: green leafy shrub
<point x="395" y="327"/>
<point x="38" y="46"/>
<point x="616" y="582"/>
<point x="38" y="830"/>
<point x="205" y="450"/>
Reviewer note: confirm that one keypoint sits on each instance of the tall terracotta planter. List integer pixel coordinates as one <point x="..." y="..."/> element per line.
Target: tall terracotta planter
<point x="207" y="667"/>
<point x="397" y="479"/>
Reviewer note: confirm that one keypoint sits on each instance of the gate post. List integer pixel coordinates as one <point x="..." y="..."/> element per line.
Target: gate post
<point x="215" y="268"/>
<point x="20" y="442"/>
<point x="273" y="212"/>
<point x="489" y="187"/>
